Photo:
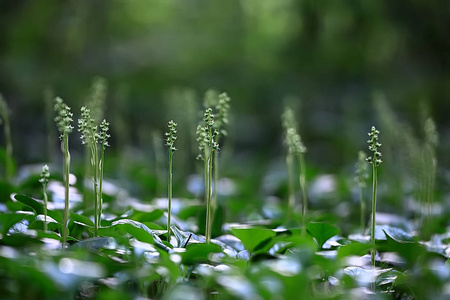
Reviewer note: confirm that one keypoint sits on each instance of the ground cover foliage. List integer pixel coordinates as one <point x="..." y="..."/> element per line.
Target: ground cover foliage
<point x="281" y="231"/>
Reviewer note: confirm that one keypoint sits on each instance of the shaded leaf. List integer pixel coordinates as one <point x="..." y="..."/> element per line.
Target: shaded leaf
<point x="252" y="236"/>
<point x="321" y="232"/>
<point x="199" y="253"/>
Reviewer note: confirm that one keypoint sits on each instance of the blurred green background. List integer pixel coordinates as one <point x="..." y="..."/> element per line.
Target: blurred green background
<point x="325" y="58"/>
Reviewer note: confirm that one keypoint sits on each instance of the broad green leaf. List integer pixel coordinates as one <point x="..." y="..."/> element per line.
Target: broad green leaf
<point x="185" y="237"/>
<point x="395" y="233"/>
<point x="199" y="253"/>
<point x="146" y="216"/>
<point x="354" y="248"/>
<point x="20" y="240"/>
<point x="252" y="236"/>
<point x="411" y="251"/>
<point x="37" y="206"/>
<point x="81" y="220"/>
<point x="134" y="228"/>
<point x="30" y="202"/>
<point x="8" y="220"/>
<point x="321" y="232"/>
<point x="96" y="243"/>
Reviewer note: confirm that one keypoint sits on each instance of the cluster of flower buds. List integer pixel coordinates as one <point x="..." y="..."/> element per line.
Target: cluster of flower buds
<point x="63" y="118"/>
<point x="171" y="135"/>
<point x="375" y="159"/>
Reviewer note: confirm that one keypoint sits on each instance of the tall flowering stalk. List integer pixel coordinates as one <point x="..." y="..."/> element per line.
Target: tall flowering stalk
<point x="64" y="121"/>
<point x="375" y="161"/>
<point x="91" y="138"/>
<point x="296" y="148"/>
<point x="170" y="140"/>
<point x="103" y="137"/>
<point x="206" y="137"/>
<point x="45" y="175"/>
<point x="222" y="108"/>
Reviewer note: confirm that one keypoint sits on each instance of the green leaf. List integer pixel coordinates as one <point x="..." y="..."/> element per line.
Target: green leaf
<point x="252" y="236"/>
<point x="134" y="228"/>
<point x="411" y="251"/>
<point x="147" y="216"/>
<point x="321" y="232"/>
<point x="354" y="248"/>
<point x="8" y="220"/>
<point x="199" y="253"/>
<point x="30" y="202"/>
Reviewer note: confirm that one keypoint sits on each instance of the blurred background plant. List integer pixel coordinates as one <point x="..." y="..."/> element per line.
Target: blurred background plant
<point x="331" y="56"/>
<point x="158" y="58"/>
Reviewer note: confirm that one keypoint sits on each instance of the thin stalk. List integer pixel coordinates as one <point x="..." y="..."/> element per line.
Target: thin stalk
<point x="66" y="183"/>
<point x="170" y="195"/>
<point x="302" y="180"/>
<point x="374" y="209"/>
<point x="44" y="190"/>
<point x="100" y="189"/>
<point x="210" y="179"/>
<point x="208" y="166"/>
<point x="215" y="168"/>
<point x="87" y="175"/>
<point x="291" y="196"/>
<point x="94" y="160"/>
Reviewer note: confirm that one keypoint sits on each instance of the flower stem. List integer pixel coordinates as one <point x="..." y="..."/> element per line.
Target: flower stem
<point x="44" y="189"/>
<point x="374" y="208"/>
<point x="66" y="183"/>
<point x="170" y="196"/>
<point x="302" y="180"/>
<point x="291" y="196"/>
<point x="100" y="189"/>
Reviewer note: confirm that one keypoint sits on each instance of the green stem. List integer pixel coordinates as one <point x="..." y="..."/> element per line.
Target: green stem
<point x="44" y="190"/>
<point x="66" y="183"/>
<point x="94" y="163"/>
<point x="215" y="168"/>
<point x="374" y="209"/>
<point x="302" y="180"/>
<point x="100" y="189"/>
<point x="206" y="175"/>
<point x="291" y="196"/>
<point x="169" y="210"/>
<point x="208" y="166"/>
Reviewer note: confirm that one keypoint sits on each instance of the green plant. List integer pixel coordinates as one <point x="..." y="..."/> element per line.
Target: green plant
<point x="103" y="137"/>
<point x="170" y="140"/>
<point x="64" y="121"/>
<point x="206" y="137"/>
<point x="361" y="176"/>
<point x="4" y="118"/>
<point x="222" y="108"/>
<point x="296" y="148"/>
<point x="95" y="102"/>
<point x="91" y="138"/>
<point x="375" y="160"/>
<point x="45" y="175"/>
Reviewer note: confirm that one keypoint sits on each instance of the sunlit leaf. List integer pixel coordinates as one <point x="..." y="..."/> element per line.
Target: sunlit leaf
<point x="134" y="228"/>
